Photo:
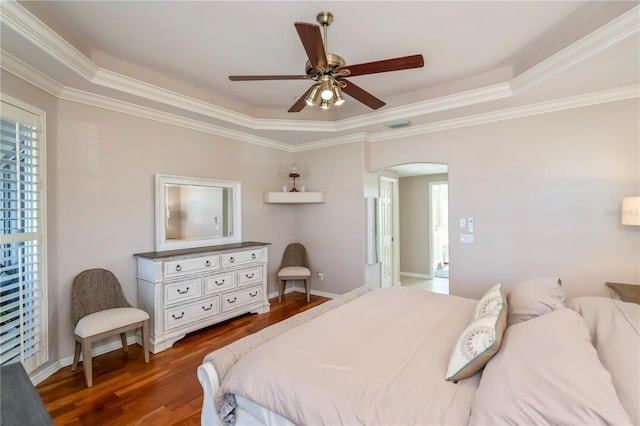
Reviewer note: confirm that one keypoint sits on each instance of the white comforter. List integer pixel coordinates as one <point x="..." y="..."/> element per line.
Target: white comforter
<point x="381" y="363"/>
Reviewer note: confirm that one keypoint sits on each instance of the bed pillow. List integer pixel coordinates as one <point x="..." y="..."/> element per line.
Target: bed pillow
<point x="547" y="372"/>
<point x="614" y="327"/>
<point x="534" y="297"/>
<point x="481" y="339"/>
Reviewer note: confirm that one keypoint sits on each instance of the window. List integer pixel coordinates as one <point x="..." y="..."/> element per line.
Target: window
<point x="23" y="301"/>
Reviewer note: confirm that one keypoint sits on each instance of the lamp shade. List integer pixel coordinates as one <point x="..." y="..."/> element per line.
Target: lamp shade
<point x="631" y="211"/>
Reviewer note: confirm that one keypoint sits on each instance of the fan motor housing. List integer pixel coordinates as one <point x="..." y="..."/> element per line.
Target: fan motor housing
<point x="333" y="61"/>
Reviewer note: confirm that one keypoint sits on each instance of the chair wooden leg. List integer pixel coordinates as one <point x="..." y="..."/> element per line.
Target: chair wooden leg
<point x="125" y="346"/>
<point x="283" y="284"/>
<point x="307" y="287"/>
<point x="145" y="340"/>
<point x="76" y="356"/>
<point x="86" y="361"/>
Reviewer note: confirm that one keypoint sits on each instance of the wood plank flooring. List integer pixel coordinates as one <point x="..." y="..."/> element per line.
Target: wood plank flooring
<point x="126" y="391"/>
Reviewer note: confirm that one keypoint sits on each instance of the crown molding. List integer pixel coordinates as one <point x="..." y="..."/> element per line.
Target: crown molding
<point x="116" y="105"/>
<point x="572" y="102"/>
<point x="31" y="28"/>
<point x="40" y="35"/>
<point x="34" y="30"/>
<point x="614" y="31"/>
<point x="29" y="74"/>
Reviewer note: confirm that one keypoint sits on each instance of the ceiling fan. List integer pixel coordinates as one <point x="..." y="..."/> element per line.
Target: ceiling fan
<point x="328" y="70"/>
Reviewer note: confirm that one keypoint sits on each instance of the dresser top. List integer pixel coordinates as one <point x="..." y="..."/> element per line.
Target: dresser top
<point x="199" y="250"/>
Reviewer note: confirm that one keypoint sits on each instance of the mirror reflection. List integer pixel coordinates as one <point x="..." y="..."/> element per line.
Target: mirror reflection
<point x="195" y="212"/>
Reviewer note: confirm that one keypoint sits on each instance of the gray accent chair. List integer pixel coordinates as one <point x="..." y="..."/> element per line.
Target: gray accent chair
<point x="99" y="309"/>
<point x="294" y="266"/>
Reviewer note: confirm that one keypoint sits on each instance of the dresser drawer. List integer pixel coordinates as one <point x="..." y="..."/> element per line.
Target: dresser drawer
<point x="176" y="268"/>
<point x="240" y="298"/>
<point x="249" y="276"/>
<point x="219" y="282"/>
<point x="240" y="257"/>
<point x="182" y="315"/>
<point x="181" y="291"/>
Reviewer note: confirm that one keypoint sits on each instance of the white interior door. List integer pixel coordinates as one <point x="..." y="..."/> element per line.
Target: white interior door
<point x="386" y="228"/>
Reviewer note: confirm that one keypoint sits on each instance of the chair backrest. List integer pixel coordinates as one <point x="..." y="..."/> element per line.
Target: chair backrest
<point x="95" y="290"/>
<point x="294" y="255"/>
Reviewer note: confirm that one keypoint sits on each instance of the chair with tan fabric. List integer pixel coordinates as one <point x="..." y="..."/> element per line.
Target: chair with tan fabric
<point x="99" y="309"/>
<point x="294" y="266"/>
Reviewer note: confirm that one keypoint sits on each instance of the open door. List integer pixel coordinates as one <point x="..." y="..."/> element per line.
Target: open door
<point x="389" y="269"/>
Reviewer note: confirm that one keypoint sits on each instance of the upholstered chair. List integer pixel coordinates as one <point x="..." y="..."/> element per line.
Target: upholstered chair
<point x="99" y="309"/>
<point x="294" y="266"/>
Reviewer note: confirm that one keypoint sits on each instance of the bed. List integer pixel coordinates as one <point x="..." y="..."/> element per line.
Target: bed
<point x="523" y="355"/>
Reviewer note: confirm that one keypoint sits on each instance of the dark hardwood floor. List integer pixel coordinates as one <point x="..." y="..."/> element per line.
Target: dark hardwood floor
<point x="164" y="392"/>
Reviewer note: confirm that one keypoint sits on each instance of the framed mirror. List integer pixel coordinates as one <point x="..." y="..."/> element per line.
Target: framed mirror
<point x="196" y="212"/>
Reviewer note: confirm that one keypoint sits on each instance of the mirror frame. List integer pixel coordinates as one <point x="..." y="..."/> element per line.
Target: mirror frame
<point x="161" y="209"/>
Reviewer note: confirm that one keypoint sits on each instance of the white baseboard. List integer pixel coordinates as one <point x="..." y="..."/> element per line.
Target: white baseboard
<point x="290" y="289"/>
<point x="41" y="375"/>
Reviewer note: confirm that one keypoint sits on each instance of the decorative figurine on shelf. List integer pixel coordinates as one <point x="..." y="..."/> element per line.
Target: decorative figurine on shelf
<point x="294" y="173"/>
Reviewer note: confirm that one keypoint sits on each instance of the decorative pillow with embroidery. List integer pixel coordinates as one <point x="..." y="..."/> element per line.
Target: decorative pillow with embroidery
<point x="481" y="339"/>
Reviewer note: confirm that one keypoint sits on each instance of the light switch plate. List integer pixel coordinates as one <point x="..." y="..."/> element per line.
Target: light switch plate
<point x="463" y="223"/>
<point x="466" y="238"/>
<point x="470" y="224"/>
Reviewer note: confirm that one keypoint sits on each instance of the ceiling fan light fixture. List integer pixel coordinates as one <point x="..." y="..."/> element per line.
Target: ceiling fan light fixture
<point x="337" y="96"/>
<point x="312" y="97"/>
<point x="327" y="88"/>
<point x="325" y="104"/>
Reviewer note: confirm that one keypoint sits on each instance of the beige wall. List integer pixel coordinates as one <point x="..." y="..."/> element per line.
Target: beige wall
<point x="333" y="232"/>
<point x="100" y="181"/>
<point x="545" y="192"/>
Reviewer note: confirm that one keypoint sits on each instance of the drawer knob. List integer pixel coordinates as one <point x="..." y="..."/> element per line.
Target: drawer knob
<point x="232" y="301"/>
<point x="178" y="268"/>
<point x="185" y="291"/>
<point x="175" y="317"/>
<point x="209" y="308"/>
<point x="249" y="276"/>
<point x="253" y="255"/>
<point x="254" y="294"/>
<point x="231" y="259"/>
<point x="207" y="263"/>
<point x="219" y="282"/>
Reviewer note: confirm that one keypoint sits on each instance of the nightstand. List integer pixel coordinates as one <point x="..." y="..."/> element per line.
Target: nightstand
<point x="626" y="292"/>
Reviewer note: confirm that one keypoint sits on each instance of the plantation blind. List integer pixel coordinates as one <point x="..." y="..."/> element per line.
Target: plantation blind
<point x="22" y="238"/>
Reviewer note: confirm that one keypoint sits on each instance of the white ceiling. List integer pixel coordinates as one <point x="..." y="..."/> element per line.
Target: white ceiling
<point x="175" y="57"/>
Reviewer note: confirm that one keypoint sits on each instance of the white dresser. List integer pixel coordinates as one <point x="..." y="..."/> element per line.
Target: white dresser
<point x="186" y="290"/>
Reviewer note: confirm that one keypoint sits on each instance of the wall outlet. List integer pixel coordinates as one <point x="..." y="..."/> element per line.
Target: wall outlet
<point x="320" y="276"/>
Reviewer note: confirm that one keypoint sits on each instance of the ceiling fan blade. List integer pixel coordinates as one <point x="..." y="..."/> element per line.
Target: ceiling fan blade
<point x="311" y="39"/>
<point x="362" y="95"/>
<point x="267" y="77"/>
<point x="301" y="102"/>
<point x="386" y="65"/>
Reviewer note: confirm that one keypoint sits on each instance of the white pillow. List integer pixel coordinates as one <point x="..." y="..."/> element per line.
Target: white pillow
<point x="534" y="297"/>
<point x="614" y="327"/>
<point x="481" y="339"/>
<point x="547" y="372"/>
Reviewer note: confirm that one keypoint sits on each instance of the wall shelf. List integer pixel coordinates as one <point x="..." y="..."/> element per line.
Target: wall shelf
<point x="293" y="197"/>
